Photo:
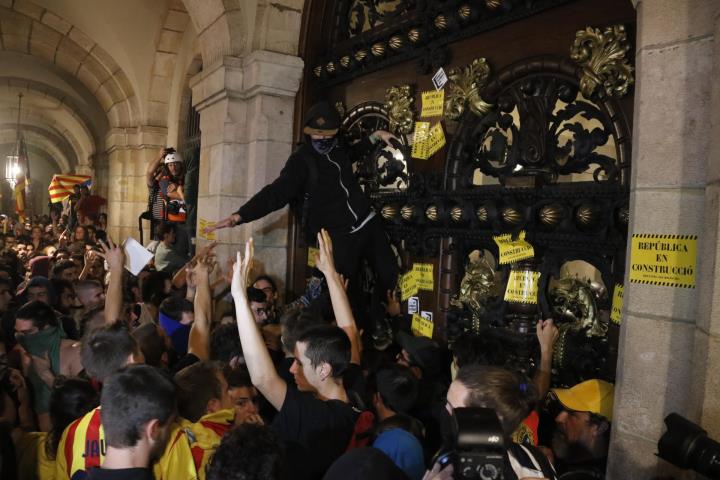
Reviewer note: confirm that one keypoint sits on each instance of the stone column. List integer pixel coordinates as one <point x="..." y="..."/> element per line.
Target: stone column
<point x="246" y="109"/>
<point x="129" y="151"/>
<point x="667" y="340"/>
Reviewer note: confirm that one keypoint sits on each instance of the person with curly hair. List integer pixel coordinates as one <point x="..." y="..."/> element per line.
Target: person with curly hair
<point x="248" y="452"/>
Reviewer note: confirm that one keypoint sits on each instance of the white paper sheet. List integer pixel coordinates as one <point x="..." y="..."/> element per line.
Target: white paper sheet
<point x="136" y="256"/>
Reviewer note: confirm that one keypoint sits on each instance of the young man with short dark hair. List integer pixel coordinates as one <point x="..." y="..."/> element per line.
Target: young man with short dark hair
<point x="316" y="427"/>
<point x="104" y="352"/>
<point x="138" y="409"/>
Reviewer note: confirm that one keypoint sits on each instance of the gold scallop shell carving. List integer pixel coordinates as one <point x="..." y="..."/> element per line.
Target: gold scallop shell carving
<point x="511" y="216"/>
<point x="456" y="214"/>
<point x="318" y="71"/>
<point x="493" y="4"/>
<point x="585" y="215"/>
<point x="432" y="213"/>
<point x="550" y="215"/>
<point x="440" y="22"/>
<point x="414" y="35"/>
<point x="464" y="12"/>
<point x="361" y="54"/>
<point x="407" y="212"/>
<point x="378" y="49"/>
<point x="389" y="212"/>
<point x="395" y="42"/>
<point x="482" y="213"/>
<point x="345" y="61"/>
<point x="330" y="67"/>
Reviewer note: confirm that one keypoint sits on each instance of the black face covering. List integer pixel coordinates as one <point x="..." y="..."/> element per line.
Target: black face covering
<point x="324" y="145"/>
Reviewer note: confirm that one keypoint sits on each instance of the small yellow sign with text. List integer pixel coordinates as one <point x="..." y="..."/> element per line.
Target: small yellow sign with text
<point x="423" y="273"/>
<point x="617" y="304"/>
<point x="202" y="225"/>
<point x="408" y="285"/>
<point x="419" y="146"/>
<point x="435" y="140"/>
<point x="665" y="260"/>
<point x="512" y="251"/>
<point x="522" y="287"/>
<point x="432" y="103"/>
<point x="312" y="254"/>
<point x="421" y="327"/>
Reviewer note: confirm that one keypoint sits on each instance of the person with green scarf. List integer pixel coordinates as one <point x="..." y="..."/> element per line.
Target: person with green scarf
<point x="47" y="352"/>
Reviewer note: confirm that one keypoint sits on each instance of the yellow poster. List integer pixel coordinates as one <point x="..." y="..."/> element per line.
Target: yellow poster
<point x="522" y="287"/>
<point x="512" y="251"/>
<point x="432" y="103"/>
<point x="665" y="260"/>
<point x="435" y="140"/>
<point x="312" y="252"/>
<point x="419" y="147"/>
<point x="408" y="285"/>
<point x="617" y="304"/>
<point x="421" y="327"/>
<point x="423" y="273"/>
<point x="202" y="225"/>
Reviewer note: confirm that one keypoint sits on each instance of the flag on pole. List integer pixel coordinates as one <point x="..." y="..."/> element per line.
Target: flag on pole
<point x="62" y="186"/>
<point x="19" y="194"/>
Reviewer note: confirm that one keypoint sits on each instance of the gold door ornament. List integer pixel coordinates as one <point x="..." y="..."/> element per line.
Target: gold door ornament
<point x="399" y="105"/>
<point x="463" y="90"/>
<point x="606" y="71"/>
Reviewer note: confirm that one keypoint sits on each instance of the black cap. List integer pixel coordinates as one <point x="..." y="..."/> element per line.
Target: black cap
<point x="364" y="463"/>
<point x="424" y="352"/>
<point x="322" y="119"/>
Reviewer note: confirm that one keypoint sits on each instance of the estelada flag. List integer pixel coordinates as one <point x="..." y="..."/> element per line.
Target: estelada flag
<point x="62" y="186"/>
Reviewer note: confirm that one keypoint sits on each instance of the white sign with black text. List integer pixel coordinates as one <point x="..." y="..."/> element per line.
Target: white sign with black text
<point x="439" y="79"/>
<point x="413" y="305"/>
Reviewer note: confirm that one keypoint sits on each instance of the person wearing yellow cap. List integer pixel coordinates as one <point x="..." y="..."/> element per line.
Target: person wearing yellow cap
<point x="583" y="427"/>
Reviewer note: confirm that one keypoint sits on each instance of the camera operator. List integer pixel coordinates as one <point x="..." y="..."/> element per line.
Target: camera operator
<point x="512" y="399"/>
<point x="166" y="180"/>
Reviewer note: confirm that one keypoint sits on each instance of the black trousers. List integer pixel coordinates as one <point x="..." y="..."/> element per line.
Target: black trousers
<point x="370" y="243"/>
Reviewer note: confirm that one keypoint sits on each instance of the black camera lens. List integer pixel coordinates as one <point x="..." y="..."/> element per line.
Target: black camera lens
<point x="686" y="445"/>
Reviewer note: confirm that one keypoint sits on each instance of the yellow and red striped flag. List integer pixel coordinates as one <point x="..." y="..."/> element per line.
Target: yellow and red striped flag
<point x="19" y="194"/>
<point x="62" y="186"/>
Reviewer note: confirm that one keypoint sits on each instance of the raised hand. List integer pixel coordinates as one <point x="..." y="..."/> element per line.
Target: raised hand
<point x="393" y="307"/>
<point x="324" y="260"/>
<point x="113" y="254"/>
<point x="547" y="333"/>
<point x="241" y="271"/>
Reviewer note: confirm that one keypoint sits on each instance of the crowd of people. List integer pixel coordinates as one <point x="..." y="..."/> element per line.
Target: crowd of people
<point x="192" y="370"/>
<point x="201" y="372"/>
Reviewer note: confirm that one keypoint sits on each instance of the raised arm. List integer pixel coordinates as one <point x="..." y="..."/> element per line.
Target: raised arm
<point x="199" y="340"/>
<point x="547" y="333"/>
<point x="260" y="365"/>
<point x="340" y="303"/>
<point x="152" y="167"/>
<point x="115" y="258"/>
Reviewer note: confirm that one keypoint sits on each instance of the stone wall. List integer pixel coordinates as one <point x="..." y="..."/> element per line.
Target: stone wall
<point x="669" y="343"/>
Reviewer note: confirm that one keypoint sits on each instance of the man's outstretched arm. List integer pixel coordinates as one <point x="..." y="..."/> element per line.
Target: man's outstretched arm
<point x="260" y="365"/>
<point x="289" y="184"/>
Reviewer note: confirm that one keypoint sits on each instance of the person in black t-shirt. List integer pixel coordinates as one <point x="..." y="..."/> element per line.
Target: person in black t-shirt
<point x="315" y="427"/>
<point x="138" y="406"/>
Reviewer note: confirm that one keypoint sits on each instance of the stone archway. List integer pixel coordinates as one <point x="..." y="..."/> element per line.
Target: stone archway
<point x="245" y="95"/>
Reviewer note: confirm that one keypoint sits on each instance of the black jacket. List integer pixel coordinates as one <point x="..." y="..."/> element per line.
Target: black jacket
<point x="335" y="201"/>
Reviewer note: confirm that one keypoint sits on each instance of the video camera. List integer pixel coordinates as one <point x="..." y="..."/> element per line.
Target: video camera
<point x="686" y="445"/>
<point x="479" y="451"/>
